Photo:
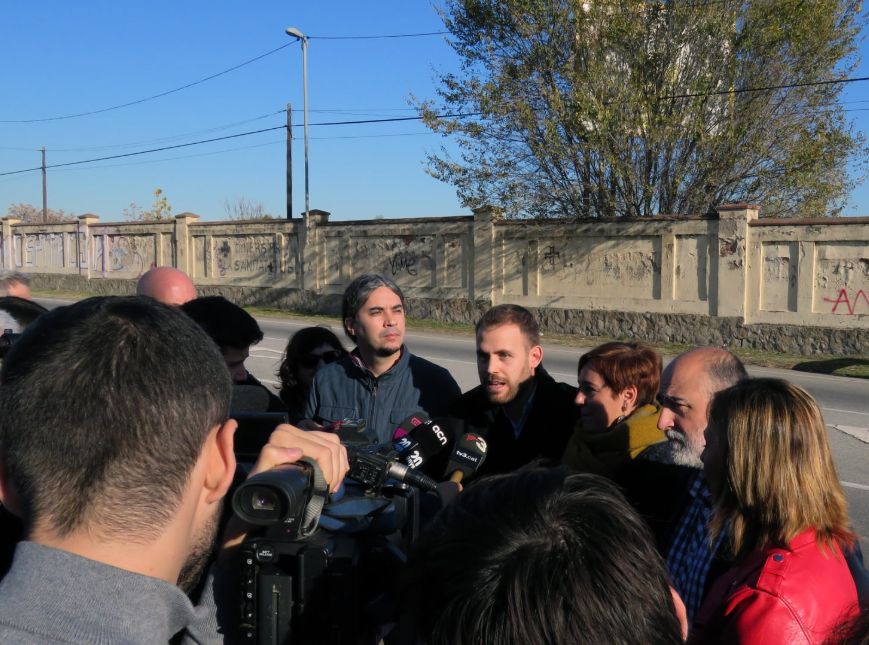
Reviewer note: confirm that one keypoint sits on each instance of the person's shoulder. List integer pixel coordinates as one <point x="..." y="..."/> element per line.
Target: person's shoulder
<point x="430" y="369"/>
<point x="556" y="389"/>
<point x="337" y="371"/>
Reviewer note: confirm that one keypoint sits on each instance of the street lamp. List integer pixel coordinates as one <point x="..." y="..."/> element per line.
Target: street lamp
<point x="295" y="33"/>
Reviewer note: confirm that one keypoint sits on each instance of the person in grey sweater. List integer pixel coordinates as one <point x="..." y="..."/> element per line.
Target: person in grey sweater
<point x="117" y="451"/>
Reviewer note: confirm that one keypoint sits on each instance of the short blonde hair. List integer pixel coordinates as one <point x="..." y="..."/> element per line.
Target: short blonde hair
<point x="778" y="471"/>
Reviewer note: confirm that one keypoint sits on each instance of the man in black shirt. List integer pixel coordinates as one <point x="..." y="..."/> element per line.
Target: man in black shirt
<point x="521" y="411"/>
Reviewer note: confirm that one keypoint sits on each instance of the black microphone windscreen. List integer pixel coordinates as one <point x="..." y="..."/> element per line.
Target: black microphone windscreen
<point x="432" y="437"/>
<point x="409" y="424"/>
<point x="468" y="455"/>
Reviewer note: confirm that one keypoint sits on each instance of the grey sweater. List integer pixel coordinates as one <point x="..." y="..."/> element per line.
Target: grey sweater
<point x="52" y="596"/>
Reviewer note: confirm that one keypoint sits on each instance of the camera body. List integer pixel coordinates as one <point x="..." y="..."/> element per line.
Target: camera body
<point x="6" y="341"/>
<point x="328" y="580"/>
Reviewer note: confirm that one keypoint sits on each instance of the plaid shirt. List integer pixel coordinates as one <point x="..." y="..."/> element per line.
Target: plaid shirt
<point x="690" y="555"/>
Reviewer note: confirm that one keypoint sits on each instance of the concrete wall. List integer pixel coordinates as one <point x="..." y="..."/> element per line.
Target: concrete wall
<point x="790" y="285"/>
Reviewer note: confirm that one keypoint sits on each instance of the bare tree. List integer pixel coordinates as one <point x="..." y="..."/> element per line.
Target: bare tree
<point x="30" y="214"/>
<point x="242" y="208"/>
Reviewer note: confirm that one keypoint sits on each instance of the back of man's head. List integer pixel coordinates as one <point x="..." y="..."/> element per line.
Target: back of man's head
<point x="357" y="292"/>
<point x="540" y="557"/>
<point x="13" y="283"/>
<point x="509" y="314"/>
<point x="167" y="285"/>
<point x="228" y="324"/>
<point x="104" y="408"/>
<point x="16" y="313"/>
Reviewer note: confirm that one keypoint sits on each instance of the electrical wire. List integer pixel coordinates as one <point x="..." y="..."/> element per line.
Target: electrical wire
<point x="148" y="98"/>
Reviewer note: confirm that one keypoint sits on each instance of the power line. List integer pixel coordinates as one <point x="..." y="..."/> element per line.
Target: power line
<point x="768" y="88"/>
<point x="229" y="136"/>
<point x="143" y="152"/>
<point x="211" y="77"/>
<point x="148" y="98"/>
<point x="428" y="33"/>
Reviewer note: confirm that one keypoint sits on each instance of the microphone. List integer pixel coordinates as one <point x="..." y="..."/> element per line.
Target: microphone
<point x="372" y="469"/>
<point x="422" y="443"/>
<point x="409" y="424"/>
<point x="467" y="457"/>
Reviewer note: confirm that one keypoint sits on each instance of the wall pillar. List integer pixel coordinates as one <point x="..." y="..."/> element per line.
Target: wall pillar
<point x="482" y="284"/>
<point x="183" y="259"/>
<point x="8" y="245"/>
<point x="84" y="244"/>
<point x="312" y="249"/>
<point x="733" y="246"/>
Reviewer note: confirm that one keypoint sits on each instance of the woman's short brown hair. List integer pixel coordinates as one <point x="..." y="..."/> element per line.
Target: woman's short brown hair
<point x="623" y="364"/>
<point x="778" y="470"/>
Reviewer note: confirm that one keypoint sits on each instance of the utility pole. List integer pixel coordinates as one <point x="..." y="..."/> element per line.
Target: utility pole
<point x="289" y="161"/>
<point x="44" y="190"/>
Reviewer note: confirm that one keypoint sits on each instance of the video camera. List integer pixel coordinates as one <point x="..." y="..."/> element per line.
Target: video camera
<point x="323" y="571"/>
<point x="6" y="341"/>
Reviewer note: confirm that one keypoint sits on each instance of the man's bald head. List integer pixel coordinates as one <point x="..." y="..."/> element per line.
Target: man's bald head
<point x="167" y="285"/>
<point x="687" y="386"/>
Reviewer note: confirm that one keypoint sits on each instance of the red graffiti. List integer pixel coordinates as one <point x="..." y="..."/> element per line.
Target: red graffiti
<point x="850" y="305"/>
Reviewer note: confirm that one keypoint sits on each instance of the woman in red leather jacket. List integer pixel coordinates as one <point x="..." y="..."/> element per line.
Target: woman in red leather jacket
<point x="771" y="473"/>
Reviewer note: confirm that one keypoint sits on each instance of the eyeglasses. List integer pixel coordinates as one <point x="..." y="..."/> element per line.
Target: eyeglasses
<point x="310" y="361"/>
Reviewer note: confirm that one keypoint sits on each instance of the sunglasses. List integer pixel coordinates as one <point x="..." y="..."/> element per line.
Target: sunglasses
<point x="310" y="361"/>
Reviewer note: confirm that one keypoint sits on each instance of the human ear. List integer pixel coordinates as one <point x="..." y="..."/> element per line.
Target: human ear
<point x="629" y="397"/>
<point x="536" y="357"/>
<point x="220" y="467"/>
<point x="348" y="327"/>
<point x="7" y="492"/>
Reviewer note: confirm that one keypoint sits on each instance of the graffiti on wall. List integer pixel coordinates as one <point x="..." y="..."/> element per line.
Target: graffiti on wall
<point x="407" y="258"/>
<point x="629" y="269"/>
<point x="842" y="282"/>
<point x="850" y="303"/>
<point x="130" y="253"/>
<point x="248" y="255"/>
<point x="39" y="250"/>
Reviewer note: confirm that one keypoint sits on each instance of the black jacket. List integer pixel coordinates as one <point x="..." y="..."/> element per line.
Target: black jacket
<point x="548" y="425"/>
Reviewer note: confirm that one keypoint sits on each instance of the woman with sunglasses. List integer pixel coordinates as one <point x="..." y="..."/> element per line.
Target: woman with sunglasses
<point x="308" y="350"/>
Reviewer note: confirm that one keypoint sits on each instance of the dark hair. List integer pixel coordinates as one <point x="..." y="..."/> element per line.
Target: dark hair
<point x="511" y="315"/>
<point x="22" y="310"/>
<point x="104" y="409"/>
<point x="228" y="324"/>
<point x="302" y="342"/>
<point x="359" y="290"/>
<point x="624" y="364"/>
<point x="539" y="556"/>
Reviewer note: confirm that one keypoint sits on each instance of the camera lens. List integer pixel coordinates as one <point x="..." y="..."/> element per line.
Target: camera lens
<point x="263" y="500"/>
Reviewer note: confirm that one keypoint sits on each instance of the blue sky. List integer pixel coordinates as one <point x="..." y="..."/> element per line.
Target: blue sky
<point x="62" y="58"/>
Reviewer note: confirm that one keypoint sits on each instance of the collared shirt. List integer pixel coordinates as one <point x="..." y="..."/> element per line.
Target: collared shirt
<point x="520" y="423"/>
<point x="690" y="555"/>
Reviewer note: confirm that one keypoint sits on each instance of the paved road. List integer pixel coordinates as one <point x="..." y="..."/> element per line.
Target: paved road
<point x="845" y="401"/>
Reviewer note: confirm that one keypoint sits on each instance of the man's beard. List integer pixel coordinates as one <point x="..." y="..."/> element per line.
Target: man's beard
<point x="200" y="553"/>
<point x="681" y="450"/>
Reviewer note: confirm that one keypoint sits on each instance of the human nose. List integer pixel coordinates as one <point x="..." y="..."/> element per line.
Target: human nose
<point x="665" y="420"/>
<point x="580" y="398"/>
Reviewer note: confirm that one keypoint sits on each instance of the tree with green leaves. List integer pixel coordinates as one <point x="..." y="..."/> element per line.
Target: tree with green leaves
<point x="600" y="108"/>
<point x="160" y="210"/>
